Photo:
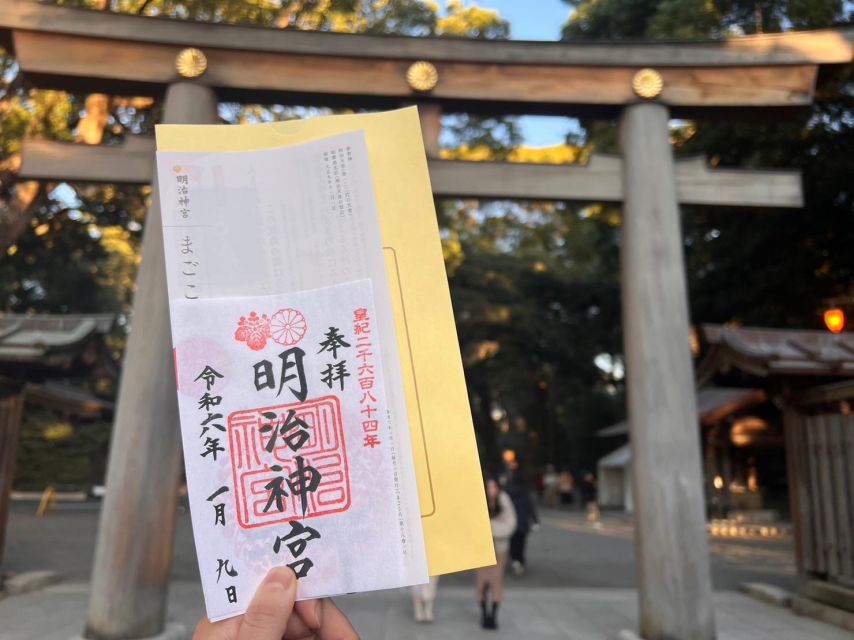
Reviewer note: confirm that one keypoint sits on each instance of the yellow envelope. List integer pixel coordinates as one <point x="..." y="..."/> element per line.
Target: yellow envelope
<point x="457" y="532"/>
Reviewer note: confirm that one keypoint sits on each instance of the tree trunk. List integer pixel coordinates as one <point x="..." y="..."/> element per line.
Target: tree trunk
<point x="16" y="213"/>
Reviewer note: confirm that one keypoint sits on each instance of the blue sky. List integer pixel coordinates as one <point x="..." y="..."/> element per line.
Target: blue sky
<point x="536" y="20"/>
<point x="531" y="19"/>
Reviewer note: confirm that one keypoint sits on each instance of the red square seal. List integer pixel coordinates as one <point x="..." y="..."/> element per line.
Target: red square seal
<point x="324" y="450"/>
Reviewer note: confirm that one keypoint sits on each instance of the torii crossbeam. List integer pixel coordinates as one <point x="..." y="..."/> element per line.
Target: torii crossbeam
<point x="599" y="180"/>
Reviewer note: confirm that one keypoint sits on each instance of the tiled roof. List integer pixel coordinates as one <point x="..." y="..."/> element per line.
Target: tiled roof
<point x="768" y="352"/>
<point x="713" y="403"/>
<point x="49" y="340"/>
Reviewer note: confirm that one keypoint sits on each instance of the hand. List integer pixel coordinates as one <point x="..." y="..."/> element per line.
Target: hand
<point x="273" y="615"/>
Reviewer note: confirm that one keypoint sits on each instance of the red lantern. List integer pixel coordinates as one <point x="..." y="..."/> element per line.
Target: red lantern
<point x="834" y="320"/>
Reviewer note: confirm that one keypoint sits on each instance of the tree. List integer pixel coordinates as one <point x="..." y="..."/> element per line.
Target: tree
<point x="530" y="283"/>
<point x="92" y="228"/>
<point x="777" y="268"/>
<point x="74" y="248"/>
<point x="662" y="19"/>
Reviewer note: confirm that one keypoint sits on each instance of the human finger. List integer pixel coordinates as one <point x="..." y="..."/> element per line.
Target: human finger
<point x="268" y="613"/>
<point x="309" y="611"/>
<point x="334" y="625"/>
<point x="297" y="628"/>
<point x="305" y="622"/>
<point x="222" y="630"/>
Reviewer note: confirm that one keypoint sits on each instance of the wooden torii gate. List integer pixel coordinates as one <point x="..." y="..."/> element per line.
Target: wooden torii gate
<point x="642" y="84"/>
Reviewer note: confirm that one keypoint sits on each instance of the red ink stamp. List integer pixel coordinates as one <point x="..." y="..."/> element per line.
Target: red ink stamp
<point x="270" y="474"/>
<point x="287" y="327"/>
<point x="253" y="330"/>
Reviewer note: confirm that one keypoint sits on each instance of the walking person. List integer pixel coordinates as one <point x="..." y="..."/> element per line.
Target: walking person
<point x="566" y="488"/>
<point x="550" y="493"/>
<point x="526" y="519"/>
<point x="489" y="581"/>
<point x="589" y="498"/>
<point x="423" y="597"/>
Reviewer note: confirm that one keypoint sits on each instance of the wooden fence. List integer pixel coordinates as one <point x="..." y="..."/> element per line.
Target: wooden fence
<point x="820" y="433"/>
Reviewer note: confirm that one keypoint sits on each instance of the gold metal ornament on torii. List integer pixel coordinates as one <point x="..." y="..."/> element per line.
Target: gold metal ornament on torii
<point x="422" y="76"/>
<point x="191" y="62"/>
<point x="647" y="83"/>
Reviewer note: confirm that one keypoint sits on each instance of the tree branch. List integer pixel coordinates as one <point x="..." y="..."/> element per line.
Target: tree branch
<point x="142" y="7"/>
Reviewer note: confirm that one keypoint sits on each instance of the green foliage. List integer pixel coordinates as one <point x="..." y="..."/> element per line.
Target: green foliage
<point x="535" y="286"/>
<point x="493" y="138"/>
<point x="54" y="451"/>
<point x="80" y="251"/>
<point x="774" y="268"/>
<point x="402" y="17"/>
<point x="608" y="19"/>
<point x="471" y="22"/>
<point x="684" y="19"/>
<point x="781" y="268"/>
<point x="669" y="19"/>
<point x="764" y="16"/>
<point x="77" y="257"/>
<point x="770" y="269"/>
<point x="531" y="284"/>
<point x="256" y="12"/>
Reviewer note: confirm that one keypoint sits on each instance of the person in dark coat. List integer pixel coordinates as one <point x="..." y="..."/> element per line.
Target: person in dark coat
<point x="526" y="518"/>
<point x="588" y="498"/>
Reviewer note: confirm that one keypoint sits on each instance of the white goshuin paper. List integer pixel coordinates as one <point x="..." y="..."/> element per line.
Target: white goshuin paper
<point x="255" y="231"/>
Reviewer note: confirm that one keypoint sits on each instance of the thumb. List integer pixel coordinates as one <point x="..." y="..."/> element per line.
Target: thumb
<point x="268" y="613"/>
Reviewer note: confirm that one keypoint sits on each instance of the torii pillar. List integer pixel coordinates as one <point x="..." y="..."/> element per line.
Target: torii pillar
<point x="133" y="556"/>
<point x="670" y="534"/>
